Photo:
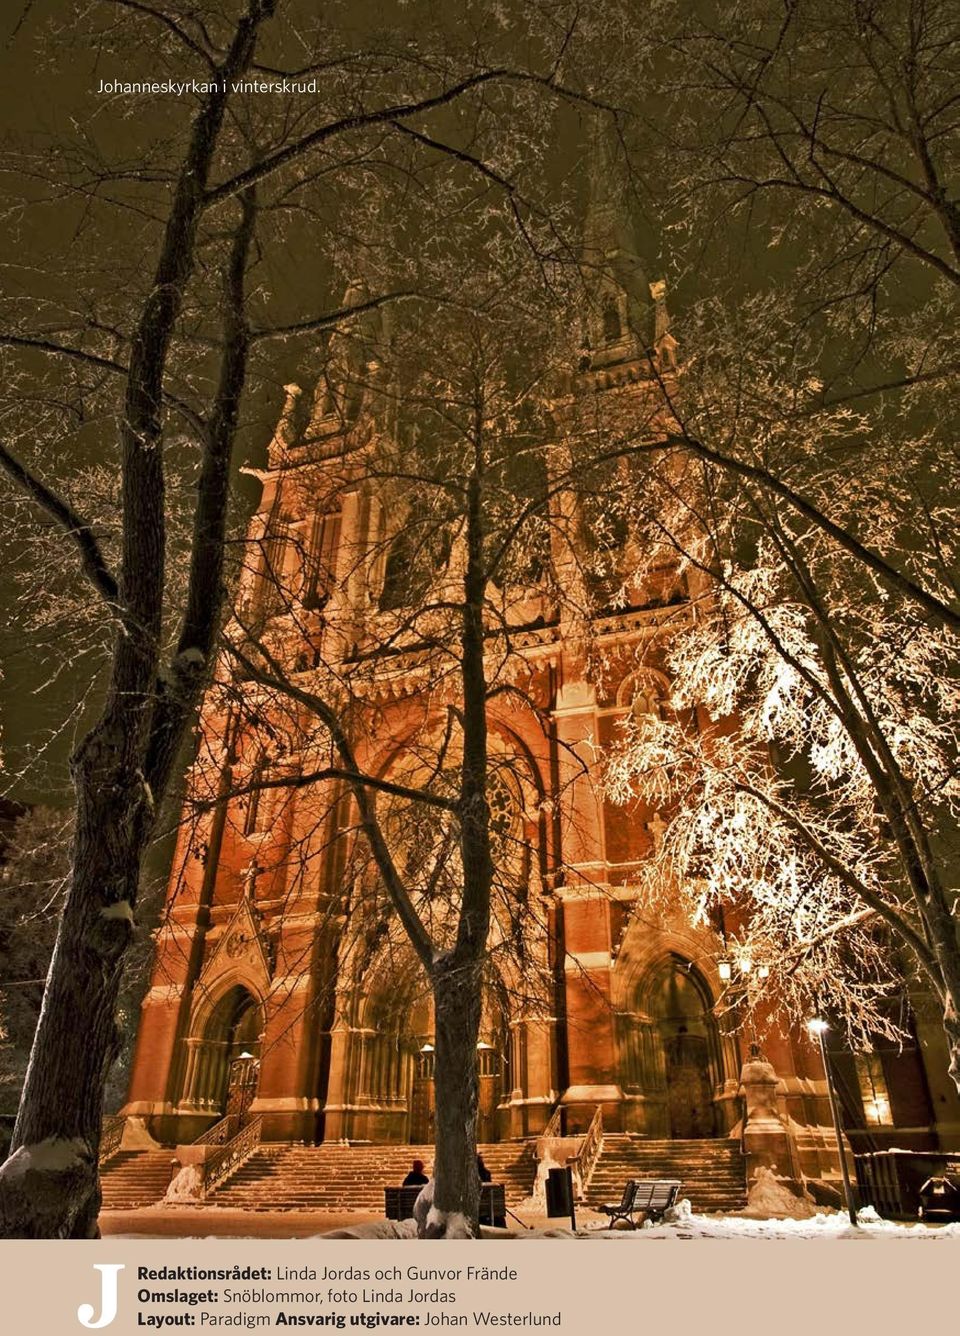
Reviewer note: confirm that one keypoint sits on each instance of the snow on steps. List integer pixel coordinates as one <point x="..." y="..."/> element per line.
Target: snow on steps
<point x="712" y="1171"/>
<point x="337" y="1177"/>
<point x="352" y="1178"/>
<point x="134" y="1178"/>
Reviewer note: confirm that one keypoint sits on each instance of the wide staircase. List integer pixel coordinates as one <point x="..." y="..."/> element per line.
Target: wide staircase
<point x="713" y="1172"/>
<point x="134" y="1178"/>
<point x="352" y="1178"/>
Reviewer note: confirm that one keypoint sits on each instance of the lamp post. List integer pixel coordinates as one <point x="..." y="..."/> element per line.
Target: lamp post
<point x="818" y="1028"/>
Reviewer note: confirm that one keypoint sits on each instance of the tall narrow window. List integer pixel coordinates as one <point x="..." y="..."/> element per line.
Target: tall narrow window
<point x="270" y="553"/>
<point x="873" y="1090"/>
<point x="252" y="816"/>
<point x="321" y="557"/>
<point x="612" y="325"/>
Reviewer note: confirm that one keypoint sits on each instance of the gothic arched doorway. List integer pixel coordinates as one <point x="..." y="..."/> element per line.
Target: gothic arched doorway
<point x="222" y="1077"/>
<point x="677" y="1002"/>
<point x="388" y="1062"/>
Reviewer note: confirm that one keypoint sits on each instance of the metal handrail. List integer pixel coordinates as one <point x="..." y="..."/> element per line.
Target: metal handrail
<point x="552" y="1128"/>
<point x="230" y="1157"/>
<point x="585" y="1160"/>
<point x="111" y="1134"/>
<point x="222" y="1131"/>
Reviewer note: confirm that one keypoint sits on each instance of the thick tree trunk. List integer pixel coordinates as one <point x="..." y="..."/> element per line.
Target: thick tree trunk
<point x="49" y="1188"/>
<point x="456" y="1194"/>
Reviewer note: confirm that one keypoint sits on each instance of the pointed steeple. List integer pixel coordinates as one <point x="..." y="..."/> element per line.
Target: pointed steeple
<point x="621" y="318"/>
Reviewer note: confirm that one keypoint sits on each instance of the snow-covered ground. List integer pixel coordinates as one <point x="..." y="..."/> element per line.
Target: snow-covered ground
<point x="823" y="1225"/>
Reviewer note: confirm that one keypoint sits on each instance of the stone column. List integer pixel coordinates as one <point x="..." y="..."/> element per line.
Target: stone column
<point x="767" y="1139"/>
<point x="591" y="1041"/>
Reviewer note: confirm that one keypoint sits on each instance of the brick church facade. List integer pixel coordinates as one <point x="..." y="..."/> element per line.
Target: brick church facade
<point x="269" y="998"/>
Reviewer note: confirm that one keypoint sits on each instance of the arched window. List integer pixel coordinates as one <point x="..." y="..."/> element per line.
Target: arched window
<point x="612" y="323"/>
<point x="418" y="552"/>
<point x="644" y="695"/>
<point x="269" y="556"/>
<point x="253" y="814"/>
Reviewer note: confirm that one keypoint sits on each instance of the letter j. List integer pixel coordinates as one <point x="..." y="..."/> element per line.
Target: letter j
<point x="108" y="1296"/>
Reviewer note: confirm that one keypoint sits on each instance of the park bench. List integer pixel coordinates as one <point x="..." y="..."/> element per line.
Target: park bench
<point x="398" y="1203"/>
<point x="643" y="1199"/>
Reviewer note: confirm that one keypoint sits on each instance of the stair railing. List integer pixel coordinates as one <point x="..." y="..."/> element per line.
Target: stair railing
<point x="111" y="1134"/>
<point x="585" y="1161"/>
<point x="552" y="1128"/>
<point x="231" y="1155"/>
<point x="221" y="1132"/>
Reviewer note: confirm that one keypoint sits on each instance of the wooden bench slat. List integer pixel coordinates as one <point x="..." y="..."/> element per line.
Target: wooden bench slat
<point x="646" y="1197"/>
<point x="399" y="1202"/>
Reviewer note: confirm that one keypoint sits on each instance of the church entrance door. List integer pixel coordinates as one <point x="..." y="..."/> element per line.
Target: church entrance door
<point x="242" y="1085"/>
<point x="689" y="1093"/>
<point x="679" y="1007"/>
<point x="422" y="1101"/>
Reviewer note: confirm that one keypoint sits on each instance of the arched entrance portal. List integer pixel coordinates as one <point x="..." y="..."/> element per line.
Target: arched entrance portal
<point x="223" y="1073"/>
<point x="676" y="1001"/>
<point x="390" y="1066"/>
<point x="671" y="1063"/>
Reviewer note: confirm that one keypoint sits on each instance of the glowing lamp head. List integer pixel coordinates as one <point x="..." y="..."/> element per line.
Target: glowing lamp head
<point x="817" y="1026"/>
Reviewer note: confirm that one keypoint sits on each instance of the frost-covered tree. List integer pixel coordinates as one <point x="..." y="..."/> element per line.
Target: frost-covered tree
<point x="807" y="765"/>
<point x="32" y="883"/>
<point x="809" y="487"/>
<point x="34" y="874"/>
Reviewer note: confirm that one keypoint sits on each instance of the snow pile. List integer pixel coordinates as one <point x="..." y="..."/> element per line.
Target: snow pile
<point x="423" y="1206"/>
<point x="679" y="1213"/>
<point x="771" y="1198"/>
<point x="823" y="1225"/>
<point x="186" y="1186"/>
<point x="374" y="1229"/>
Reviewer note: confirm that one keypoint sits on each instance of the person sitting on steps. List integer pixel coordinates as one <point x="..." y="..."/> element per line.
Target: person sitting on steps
<point x="416" y="1176"/>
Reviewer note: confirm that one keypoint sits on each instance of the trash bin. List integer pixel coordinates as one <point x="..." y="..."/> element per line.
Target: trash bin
<point x="559" y="1192"/>
<point x="940" y="1200"/>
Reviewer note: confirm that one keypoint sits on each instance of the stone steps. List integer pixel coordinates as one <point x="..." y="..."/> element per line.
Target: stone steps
<point x="713" y="1172"/>
<point x="335" y="1177"/>
<point x="134" y="1178"/>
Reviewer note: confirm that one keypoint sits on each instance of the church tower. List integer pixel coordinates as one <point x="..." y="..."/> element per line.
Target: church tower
<point x="283" y="996"/>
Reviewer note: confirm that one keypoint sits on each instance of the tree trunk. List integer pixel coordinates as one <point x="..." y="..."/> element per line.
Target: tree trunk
<point x="49" y="1188"/>
<point x="456" y="1195"/>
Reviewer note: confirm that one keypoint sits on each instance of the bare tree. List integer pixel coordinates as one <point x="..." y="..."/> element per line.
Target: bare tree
<point x="416" y="691"/>
<point x="158" y="338"/>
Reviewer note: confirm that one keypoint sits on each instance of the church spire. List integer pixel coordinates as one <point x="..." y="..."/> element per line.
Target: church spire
<point x="621" y="312"/>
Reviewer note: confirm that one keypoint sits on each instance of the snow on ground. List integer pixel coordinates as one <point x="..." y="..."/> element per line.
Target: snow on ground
<point x="823" y="1225"/>
<point x="182" y="1221"/>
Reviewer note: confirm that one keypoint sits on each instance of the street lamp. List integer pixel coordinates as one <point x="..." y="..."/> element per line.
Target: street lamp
<point x="743" y="966"/>
<point x="817" y="1028"/>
